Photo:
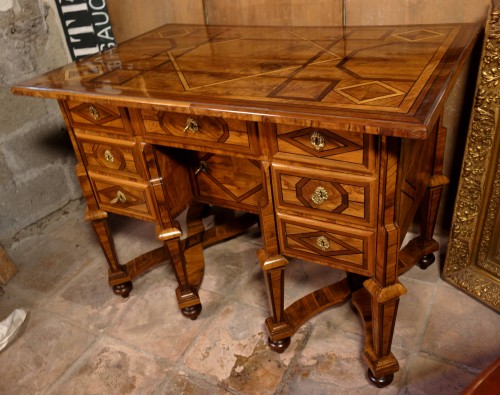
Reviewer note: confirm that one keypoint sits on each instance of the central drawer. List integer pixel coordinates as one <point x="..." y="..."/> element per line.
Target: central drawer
<point x="200" y="132"/>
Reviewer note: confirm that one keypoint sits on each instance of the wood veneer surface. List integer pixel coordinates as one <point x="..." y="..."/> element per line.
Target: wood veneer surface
<point x="390" y="79"/>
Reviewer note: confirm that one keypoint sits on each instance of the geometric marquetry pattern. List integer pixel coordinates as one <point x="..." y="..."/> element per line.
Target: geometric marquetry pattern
<point x="342" y="197"/>
<point x="335" y="245"/>
<point x="217" y="179"/>
<point x="418" y="35"/>
<point x="100" y="152"/>
<point x="335" y="144"/>
<point x="298" y="65"/>
<point x="368" y="92"/>
<point x="95" y="113"/>
<point x="133" y="198"/>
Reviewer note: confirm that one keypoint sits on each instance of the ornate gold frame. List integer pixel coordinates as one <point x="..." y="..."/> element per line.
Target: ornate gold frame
<point x="476" y="224"/>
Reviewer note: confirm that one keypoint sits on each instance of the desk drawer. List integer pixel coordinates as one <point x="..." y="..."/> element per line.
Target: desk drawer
<point x="98" y="117"/>
<point x="340" y="247"/>
<point x="122" y="157"/>
<point x="345" y="150"/>
<point x="325" y="195"/>
<point x="192" y="131"/>
<point x="131" y="198"/>
<point x="228" y="181"/>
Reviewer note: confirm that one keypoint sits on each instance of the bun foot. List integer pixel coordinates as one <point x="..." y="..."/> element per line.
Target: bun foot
<point x="192" y="311"/>
<point x="426" y="261"/>
<point x="279" y="345"/>
<point x="123" y="289"/>
<point x="380" y="382"/>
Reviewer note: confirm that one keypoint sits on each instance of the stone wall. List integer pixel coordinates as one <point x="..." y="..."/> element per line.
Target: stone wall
<point x="36" y="159"/>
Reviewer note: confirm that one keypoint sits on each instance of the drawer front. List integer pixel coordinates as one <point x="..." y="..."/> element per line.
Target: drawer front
<point x="98" y="117"/>
<point x="123" y="197"/>
<point x="188" y="131"/>
<point x="325" y="195"/>
<point x="99" y="153"/>
<point x="331" y="245"/>
<point x="228" y="181"/>
<point x="338" y="148"/>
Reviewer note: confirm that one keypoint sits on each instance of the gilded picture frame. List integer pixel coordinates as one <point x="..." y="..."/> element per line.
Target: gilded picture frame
<point x="473" y="255"/>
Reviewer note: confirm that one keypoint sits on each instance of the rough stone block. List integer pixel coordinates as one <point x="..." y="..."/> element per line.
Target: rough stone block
<point x="25" y="202"/>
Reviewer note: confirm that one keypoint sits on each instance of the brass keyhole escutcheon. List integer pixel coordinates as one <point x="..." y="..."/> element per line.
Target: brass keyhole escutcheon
<point x="120" y="197"/>
<point x="191" y="126"/>
<point x="109" y="156"/>
<point x="203" y="167"/>
<point x="323" y="243"/>
<point x="320" y="195"/>
<point x="317" y="141"/>
<point x="94" y="112"/>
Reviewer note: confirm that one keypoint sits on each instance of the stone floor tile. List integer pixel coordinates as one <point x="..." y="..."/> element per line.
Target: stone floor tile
<point x="187" y="383"/>
<point x="154" y="323"/>
<point x="89" y="300"/>
<point x="412" y="315"/>
<point x="48" y="346"/>
<point x="109" y="367"/>
<point x="233" y="350"/>
<point x="334" y="360"/>
<point x="461" y="329"/>
<point x="430" y="376"/>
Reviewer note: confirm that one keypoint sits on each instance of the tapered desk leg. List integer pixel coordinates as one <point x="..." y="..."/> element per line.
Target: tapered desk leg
<point x="118" y="275"/>
<point x="187" y="290"/>
<point x="273" y="265"/>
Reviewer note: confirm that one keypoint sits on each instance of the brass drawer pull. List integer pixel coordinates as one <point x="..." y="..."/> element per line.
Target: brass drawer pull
<point x="323" y="243"/>
<point x="202" y="168"/>
<point x="94" y="112"/>
<point x="317" y="141"/>
<point x="320" y="195"/>
<point x="120" y="197"/>
<point x="109" y="156"/>
<point x="191" y="126"/>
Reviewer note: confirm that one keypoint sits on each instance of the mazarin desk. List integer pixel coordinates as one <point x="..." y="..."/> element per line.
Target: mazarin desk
<point x="333" y="137"/>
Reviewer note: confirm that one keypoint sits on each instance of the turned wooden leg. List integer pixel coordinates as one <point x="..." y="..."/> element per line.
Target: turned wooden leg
<point x="384" y="303"/>
<point x="118" y="276"/>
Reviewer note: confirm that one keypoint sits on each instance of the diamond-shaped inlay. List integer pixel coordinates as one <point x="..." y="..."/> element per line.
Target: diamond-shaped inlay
<point x="334" y="144"/>
<point x="337" y="196"/>
<point x="83" y="72"/>
<point x="418" y="35"/>
<point x="368" y="91"/>
<point x="95" y="113"/>
<point x="330" y="246"/>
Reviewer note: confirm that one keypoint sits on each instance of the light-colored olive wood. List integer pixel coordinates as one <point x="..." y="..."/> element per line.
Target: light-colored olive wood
<point x="346" y="248"/>
<point x="333" y="137"/>
<point x="392" y="84"/>
<point x="343" y="198"/>
<point x="341" y="149"/>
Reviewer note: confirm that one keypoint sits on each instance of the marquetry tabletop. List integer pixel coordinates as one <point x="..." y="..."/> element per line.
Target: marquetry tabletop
<point x="386" y="77"/>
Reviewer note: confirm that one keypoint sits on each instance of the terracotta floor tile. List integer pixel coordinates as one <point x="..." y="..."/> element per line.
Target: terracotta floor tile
<point x="48" y="346"/>
<point x="332" y="361"/>
<point x="233" y="350"/>
<point x="155" y="324"/>
<point x="430" y="376"/>
<point x="461" y="329"/>
<point x="187" y="383"/>
<point x="109" y="367"/>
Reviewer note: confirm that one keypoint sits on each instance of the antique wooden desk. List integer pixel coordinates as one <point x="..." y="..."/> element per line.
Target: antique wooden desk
<point x="332" y="136"/>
